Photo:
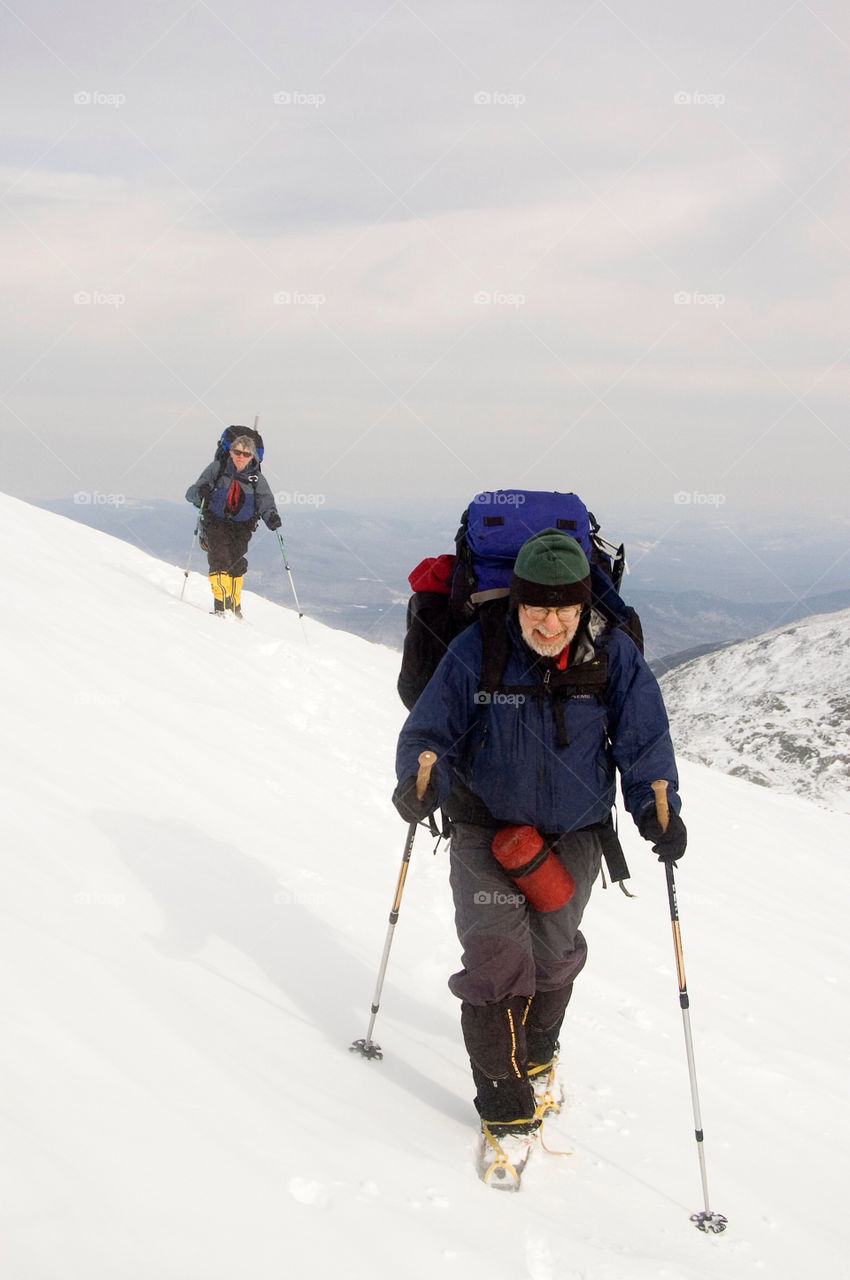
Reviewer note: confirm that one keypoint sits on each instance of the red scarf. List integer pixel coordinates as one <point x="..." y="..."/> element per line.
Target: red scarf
<point x="234" y="497"/>
<point x="562" y="658"/>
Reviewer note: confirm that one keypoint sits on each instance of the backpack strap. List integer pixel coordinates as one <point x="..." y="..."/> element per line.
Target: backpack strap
<point x="484" y="597"/>
<point x="495" y="648"/>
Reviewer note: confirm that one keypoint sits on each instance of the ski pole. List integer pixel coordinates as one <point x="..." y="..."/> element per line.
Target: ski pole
<point x="706" y="1220"/>
<point x="367" y="1047"/>
<point x="192" y="548"/>
<point x="291" y="583"/>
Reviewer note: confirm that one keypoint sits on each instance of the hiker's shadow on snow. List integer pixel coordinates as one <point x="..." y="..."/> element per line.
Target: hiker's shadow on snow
<point x="207" y="889"/>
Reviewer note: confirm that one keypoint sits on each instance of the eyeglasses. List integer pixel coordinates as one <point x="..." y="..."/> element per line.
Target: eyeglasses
<point x="242" y="453"/>
<point x="539" y="613"/>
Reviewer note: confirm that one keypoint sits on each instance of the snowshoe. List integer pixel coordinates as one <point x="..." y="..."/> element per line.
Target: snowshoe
<point x="548" y="1089"/>
<point x="502" y="1155"/>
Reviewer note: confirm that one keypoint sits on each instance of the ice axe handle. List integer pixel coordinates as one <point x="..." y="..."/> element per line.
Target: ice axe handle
<point x="427" y="760"/>
<point x="662" y="812"/>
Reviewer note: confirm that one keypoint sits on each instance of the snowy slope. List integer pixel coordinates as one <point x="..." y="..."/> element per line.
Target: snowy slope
<point x="199" y="861"/>
<point x="775" y="709"/>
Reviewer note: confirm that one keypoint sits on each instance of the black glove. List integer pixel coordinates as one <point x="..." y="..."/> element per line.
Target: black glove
<point x="274" y="521"/>
<point x="411" y="808"/>
<point x="670" y="845"/>
<point x="204" y="493"/>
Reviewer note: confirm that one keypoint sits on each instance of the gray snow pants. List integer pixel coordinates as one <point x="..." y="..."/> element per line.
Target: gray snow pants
<point x="509" y="948"/>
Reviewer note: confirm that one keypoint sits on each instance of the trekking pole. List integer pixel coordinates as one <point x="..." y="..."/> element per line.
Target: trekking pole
<point x="367" y="1047"/>
<point x="291" y="583"/>
<point x="192" y="548"/>
<point x="706" y="1220"/>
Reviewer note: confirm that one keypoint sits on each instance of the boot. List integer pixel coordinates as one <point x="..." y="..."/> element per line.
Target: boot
<point x="222" y="589"/>
<point x="543" y="1026"/>
<point x="494" y="1035"/>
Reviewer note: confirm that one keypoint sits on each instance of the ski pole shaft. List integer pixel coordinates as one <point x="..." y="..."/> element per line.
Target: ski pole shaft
<point x="289" y="571"/>
<point x="366" y="1046"/>
<point x="192" y="549"/>
<point x="707" y="1220"/>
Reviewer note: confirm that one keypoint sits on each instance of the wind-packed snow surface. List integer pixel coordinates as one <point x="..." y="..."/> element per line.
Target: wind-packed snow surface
<point x="774" y="709"/>
<point x="199" y="860"/>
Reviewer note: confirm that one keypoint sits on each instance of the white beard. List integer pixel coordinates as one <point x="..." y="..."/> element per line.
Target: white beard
<point x="547" y="648"/>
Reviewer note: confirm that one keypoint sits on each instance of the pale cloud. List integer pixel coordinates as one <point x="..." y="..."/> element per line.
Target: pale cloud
<point x="451" y="251"/>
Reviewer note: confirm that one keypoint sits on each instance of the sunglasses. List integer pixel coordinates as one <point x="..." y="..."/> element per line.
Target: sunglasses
<point x="539" y="613"/>
<point x="242" y="453"/>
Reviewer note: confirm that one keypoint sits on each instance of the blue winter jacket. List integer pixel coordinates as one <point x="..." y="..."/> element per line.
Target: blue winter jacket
<point x="256" y="502"/>
<point x="509" y="754"/>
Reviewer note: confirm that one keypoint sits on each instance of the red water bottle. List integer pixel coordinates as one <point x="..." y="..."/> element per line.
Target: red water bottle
<point x="533" y="866"/>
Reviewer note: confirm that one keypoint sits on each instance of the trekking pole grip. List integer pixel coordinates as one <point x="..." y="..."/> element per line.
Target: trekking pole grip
<point x="662" y="811"/>
<point x="427" y="760"/>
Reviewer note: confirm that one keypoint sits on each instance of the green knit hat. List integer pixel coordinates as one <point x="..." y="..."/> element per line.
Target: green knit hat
<point x="550" y="569"/>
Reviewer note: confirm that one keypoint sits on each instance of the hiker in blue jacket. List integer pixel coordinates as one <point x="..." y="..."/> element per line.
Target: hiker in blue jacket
<point x="235" y="497"/>
<point x="536" y="758"/>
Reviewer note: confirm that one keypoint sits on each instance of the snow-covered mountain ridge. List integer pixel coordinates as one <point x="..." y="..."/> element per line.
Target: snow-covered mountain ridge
<point x="774" y="710"/>
<point x="199" y="857"/>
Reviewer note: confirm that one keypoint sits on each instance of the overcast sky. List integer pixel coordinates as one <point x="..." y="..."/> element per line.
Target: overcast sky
<point x="599" y="245"/>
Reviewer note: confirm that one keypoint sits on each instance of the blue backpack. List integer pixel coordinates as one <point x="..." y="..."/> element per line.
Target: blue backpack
<point x="492" y="529"/>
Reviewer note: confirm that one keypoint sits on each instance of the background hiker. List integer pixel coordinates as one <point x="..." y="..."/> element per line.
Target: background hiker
<point x="527" y="775"/>
<point x="235" y="497"/>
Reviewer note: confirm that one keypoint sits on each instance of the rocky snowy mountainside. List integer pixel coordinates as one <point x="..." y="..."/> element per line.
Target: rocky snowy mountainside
<point x="774" y="709"/>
